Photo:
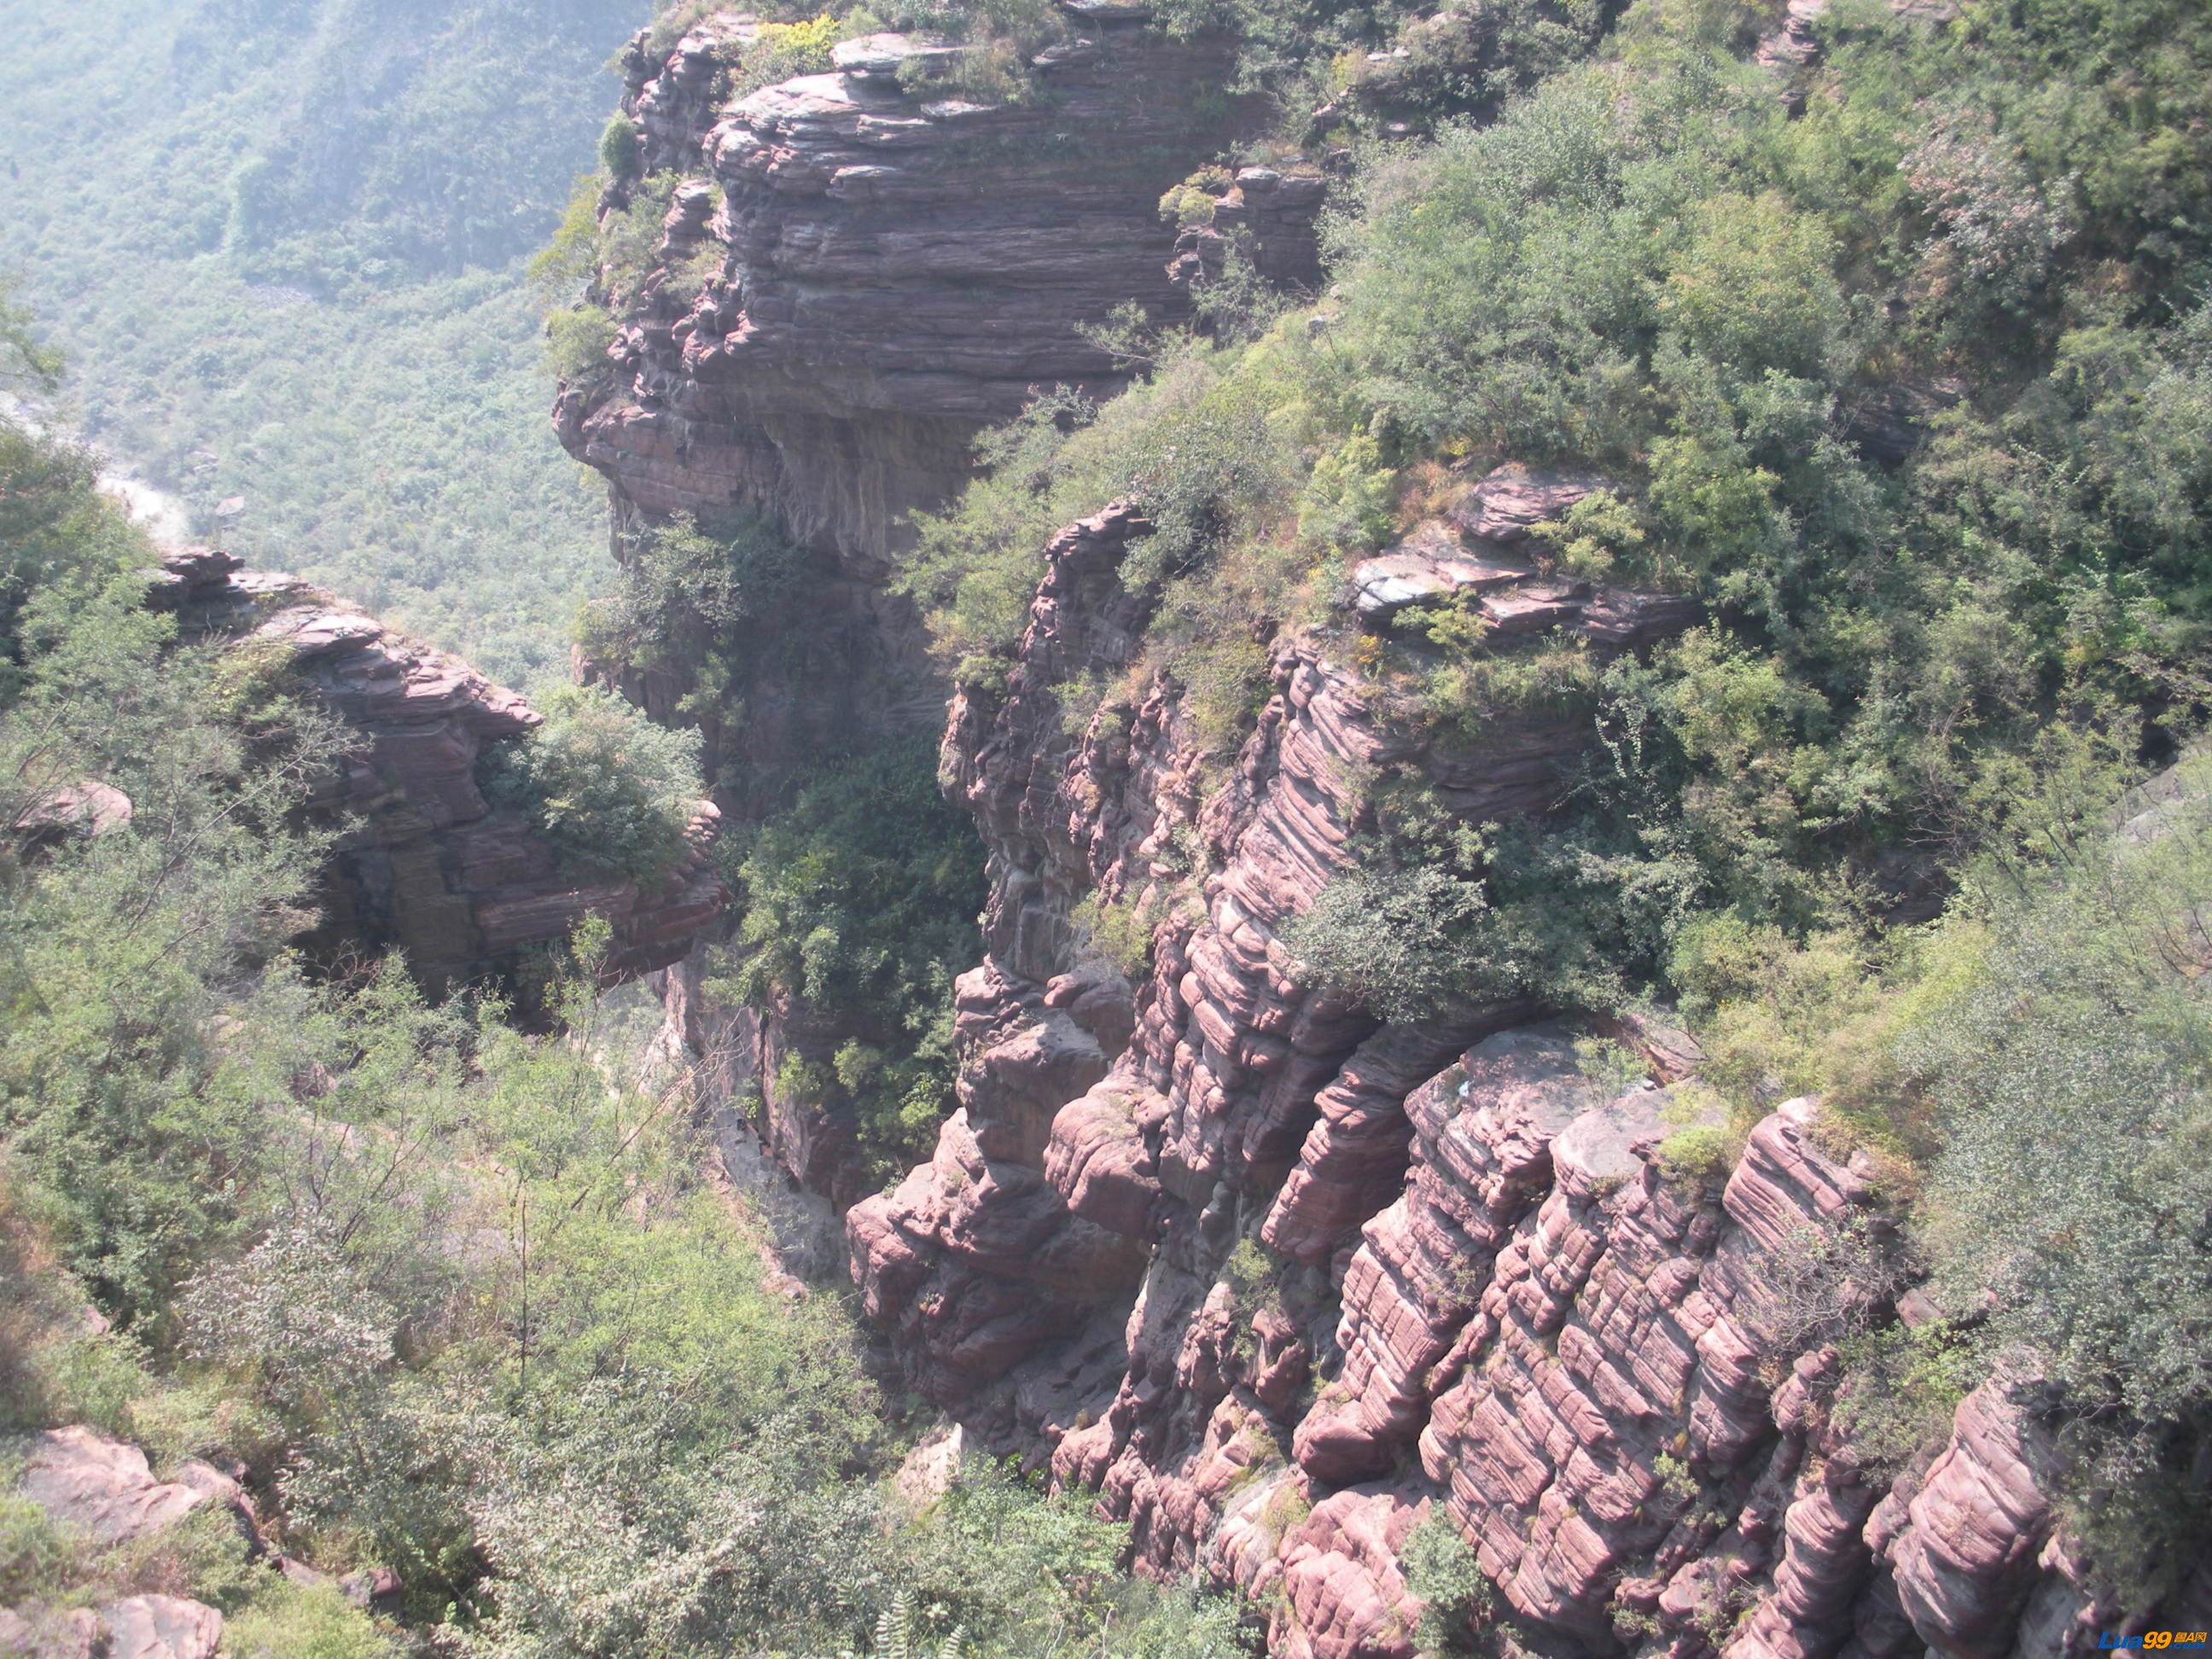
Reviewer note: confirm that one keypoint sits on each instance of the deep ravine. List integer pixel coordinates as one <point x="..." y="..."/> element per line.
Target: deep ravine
<point x="1281" y="1282"/>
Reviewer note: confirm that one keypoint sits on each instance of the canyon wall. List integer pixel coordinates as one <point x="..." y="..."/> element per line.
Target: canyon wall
<point x="856" y="276"/>
<point x="1284" y="1284"/>
<point x="423" y="864"/>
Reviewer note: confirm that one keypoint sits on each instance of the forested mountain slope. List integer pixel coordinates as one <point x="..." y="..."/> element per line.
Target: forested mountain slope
<point x="280" y="243"/>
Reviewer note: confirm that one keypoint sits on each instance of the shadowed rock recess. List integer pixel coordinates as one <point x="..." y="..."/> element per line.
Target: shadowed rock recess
<point x="1281" y="1282"/>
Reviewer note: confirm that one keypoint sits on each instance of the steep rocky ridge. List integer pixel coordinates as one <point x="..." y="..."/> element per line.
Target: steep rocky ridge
<point x="425" y="865"/>
<point x="1282" y="1283"/>
<point x="854" y="279"/>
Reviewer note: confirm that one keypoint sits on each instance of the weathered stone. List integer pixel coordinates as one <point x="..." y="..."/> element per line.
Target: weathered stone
<point x="161" y="1627"/>
<point x="428" y="867"/>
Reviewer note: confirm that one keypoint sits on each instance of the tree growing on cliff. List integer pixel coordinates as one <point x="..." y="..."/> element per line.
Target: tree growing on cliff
<point x="613" y="791"/>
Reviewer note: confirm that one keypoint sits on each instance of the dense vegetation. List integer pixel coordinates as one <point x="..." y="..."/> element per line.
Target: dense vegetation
<point x="1927" y="670"/>
<point x="860" y="899"/>
<point x="459" y="1298"/>
<point x="282" y="242"/>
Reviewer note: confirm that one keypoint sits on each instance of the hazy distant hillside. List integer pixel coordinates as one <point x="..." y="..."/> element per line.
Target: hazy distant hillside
<point x="279" y="239"/>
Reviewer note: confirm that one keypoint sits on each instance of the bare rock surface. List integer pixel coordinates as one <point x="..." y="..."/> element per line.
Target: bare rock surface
<point x="105" y="1487"/>
<point x="161" y="1627"/>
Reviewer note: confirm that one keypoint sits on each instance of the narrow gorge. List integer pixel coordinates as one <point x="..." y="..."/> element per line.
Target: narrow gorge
<point x="1367" y="830"/>
<point x="1296" y="1289"/>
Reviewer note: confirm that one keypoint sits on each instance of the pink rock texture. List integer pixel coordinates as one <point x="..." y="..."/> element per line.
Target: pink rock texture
<point x="1278" y="1280"/>
<point x="161" y="1627"/>
<point x="1966" y="1557"/>
<point x="430" y="867"/>
<point x="897" y="269"/>
<point x="105" y="1487"/>
<point x="1345" y="1593"/>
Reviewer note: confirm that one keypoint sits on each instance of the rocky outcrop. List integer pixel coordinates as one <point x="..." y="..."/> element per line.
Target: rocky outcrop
<point x="858" y="271"/>
<point x="424" y="864"/>
<point x="133" y="1627"/>
<point x="1267" y="217"/>
<point x="104" y="1490"/>
<point x="871" y="270"/>
<point x="1282" y="1282"/>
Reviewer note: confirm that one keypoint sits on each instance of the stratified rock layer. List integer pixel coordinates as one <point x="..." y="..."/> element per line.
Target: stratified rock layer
<point x="425" y="866"/>
<point x="888" y="270"/>
<point x="1282" y="1283"/>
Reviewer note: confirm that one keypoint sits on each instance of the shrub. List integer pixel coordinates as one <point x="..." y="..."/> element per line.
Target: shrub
<point x="32" y="1555"/>
<point x="862" y="898"/>
<point x="612" y="791"/>
<point x="1122" y="932"/>
<point x="1440" y="1567"/>
<point x="621" y="152"/>
<point x="576" y="341"/>
<point x="1900" y="1389"/>
<point x="683" y="583"/>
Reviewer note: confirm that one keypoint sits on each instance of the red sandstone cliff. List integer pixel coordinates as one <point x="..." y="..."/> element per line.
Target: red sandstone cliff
<point x="854" y="278"/>
<point x="1280" y="1281"/>
<point x="1480" y="1297"/>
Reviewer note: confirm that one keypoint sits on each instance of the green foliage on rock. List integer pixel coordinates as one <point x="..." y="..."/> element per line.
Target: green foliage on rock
<point x="861" y="901"/>
<point x="683" y="587"/>
<point x="1440" y="1568"/>
<point x="611" y="790"/>
<point x="461" y="1298"/>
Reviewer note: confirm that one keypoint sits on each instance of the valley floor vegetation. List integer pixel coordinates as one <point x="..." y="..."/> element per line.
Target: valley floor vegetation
<point x="1928" y="671"/>
<point x="283" y="241"/>
<point x="458" y="1297"/>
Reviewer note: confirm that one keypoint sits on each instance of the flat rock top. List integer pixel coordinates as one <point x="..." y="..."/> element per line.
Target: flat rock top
<point x="1429" y="564"/>
<point x="1502" y="508"/>
<point x="83" y="1479"/>
<point x="1595" y="1152"/>
<point x="878" y="57"/>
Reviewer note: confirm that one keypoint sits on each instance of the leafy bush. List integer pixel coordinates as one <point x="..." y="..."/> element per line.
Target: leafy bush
<point x="682" y="584"/>
<point x="1441" y="1569"/>
<point x="576" y="341"/>
<point x="2069" y="1068"/>
<point x="31" y="1553"/>
<point x="620" y="155"/>
<point x="862" y="898"/>
<point x="612" y="791"/>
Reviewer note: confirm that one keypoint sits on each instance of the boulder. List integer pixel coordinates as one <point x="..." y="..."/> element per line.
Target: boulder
<point x="86" y="1479"/>
<point x="161" y="1627"/>
<point x="1501" y="508"/>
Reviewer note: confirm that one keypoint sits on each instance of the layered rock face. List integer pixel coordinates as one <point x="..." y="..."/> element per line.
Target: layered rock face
<point x="1284" y="1284"/>
<point x="425" y="866"/>
<point x="858" y="274"/>
<point x="886" y="268"/>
